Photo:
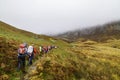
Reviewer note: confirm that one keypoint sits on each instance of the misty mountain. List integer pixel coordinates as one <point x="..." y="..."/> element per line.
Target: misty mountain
<point x="96" y="33"/>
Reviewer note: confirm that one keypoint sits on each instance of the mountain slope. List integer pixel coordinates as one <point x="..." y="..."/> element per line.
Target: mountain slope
<point x="10" y="38"/>
<point x="11" y="32"/>
<point x="80" y="60"/>
<point x="7" y="29"/>
<point x="97" y="33"/>
<point x="87" y="60"/>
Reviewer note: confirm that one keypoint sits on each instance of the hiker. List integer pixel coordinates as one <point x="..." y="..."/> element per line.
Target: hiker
<point x="25" y="44"/>
<point x="49" y="47"/>
<point x="35" y="51"/>
<point x="53" y="46"/>
<point x="31" y="52"/>
<point x="45" y="49"/>
<point x="40" y="50"/>
<point x="22" y="51"/>
<point x="56" y="47"/>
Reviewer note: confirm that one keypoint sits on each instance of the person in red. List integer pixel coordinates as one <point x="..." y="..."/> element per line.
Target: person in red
<point x="45" y="49"/>
<point x="22" y="51"/>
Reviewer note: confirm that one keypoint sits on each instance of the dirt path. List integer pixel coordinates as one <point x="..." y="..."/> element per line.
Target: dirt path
<point x="31" y="69"/>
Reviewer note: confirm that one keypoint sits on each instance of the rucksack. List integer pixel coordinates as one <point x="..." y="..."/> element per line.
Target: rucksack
<point x="21" y="49"/>
<point x="30" y="50"/>
<point x="34" y="50"/>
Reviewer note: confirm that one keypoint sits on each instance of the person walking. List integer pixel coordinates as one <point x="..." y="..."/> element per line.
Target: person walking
<point x="22" y="51"/>
<point x="31" y="52"/>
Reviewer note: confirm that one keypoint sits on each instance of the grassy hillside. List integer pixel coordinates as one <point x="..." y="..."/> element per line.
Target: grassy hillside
<point x="80" y="60"/>
<point x="87" y="60"/>
<point x="10" y="38"/>
<point x="10" y="32"/>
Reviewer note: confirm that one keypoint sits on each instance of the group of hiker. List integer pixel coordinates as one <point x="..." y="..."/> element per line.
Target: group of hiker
<point x="30" y="51"/>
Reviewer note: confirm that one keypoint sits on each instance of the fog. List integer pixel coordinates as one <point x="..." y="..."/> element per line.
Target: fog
<point x="57" y="16"/>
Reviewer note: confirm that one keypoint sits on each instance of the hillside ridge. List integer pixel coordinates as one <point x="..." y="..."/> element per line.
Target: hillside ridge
<point x="96" y="33"/>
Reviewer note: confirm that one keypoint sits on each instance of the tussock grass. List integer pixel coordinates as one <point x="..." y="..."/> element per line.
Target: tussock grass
<point x="80" y="62"/>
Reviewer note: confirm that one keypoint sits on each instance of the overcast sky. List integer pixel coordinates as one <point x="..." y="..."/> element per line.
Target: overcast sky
<point x="56" y="16"/>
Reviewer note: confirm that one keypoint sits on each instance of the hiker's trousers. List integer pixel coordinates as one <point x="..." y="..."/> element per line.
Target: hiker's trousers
<point x="21" y="61"/>
<point x="30" y="59"/>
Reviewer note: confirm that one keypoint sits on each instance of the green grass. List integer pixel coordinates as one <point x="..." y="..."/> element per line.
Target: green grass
<point x="88" y="60"/>
<point x="80" y="61"/>
<point x="10" y="38"/>
<point x="101" y="61"/>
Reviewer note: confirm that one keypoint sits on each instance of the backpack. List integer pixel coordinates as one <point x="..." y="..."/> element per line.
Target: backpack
<point x="21" y="49"/>
<point x="34" y="50"/>
<point x="30" y="50"/>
